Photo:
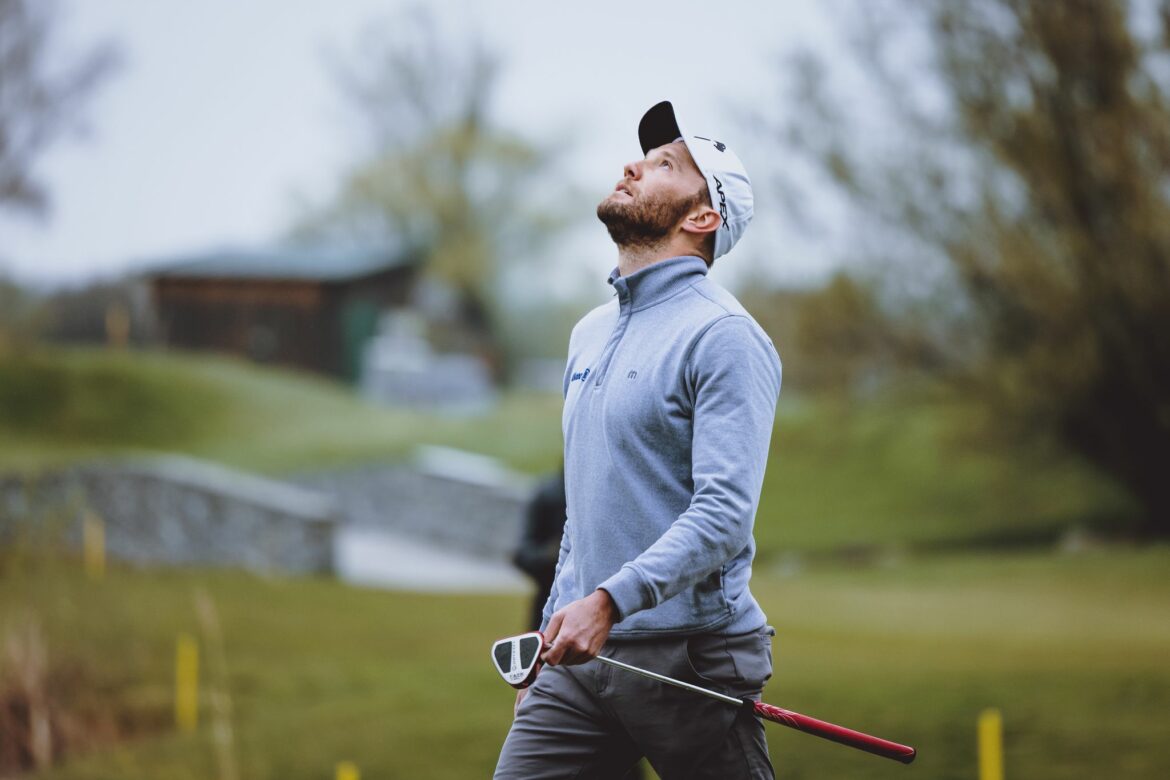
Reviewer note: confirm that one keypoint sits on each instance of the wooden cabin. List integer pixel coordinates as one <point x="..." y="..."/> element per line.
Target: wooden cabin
<point x="309" y="308"/>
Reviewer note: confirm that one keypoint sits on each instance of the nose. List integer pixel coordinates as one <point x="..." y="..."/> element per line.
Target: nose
<point x="633" y="170"/>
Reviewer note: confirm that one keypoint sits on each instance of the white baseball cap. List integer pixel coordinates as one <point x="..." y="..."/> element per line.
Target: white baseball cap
<point x="727" y="180"/>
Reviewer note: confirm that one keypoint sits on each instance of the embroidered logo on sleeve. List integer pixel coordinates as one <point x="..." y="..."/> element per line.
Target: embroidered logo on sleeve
<point x="580" y="375"/>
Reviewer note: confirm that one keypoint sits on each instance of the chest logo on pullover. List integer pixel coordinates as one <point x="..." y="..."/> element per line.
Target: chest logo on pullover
<point x="580" y="375"/>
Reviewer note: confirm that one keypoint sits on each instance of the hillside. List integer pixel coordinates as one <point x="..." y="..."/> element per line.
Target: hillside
<point x="908" y="468"/>
<point x="64" y="405"/>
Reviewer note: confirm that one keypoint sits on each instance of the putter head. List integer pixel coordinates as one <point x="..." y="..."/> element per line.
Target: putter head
<point x="517" y="658"/>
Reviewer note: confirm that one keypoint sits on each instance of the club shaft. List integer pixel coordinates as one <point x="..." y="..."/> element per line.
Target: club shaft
<point x="794" y="720"/>
<point x="671" y="681"/>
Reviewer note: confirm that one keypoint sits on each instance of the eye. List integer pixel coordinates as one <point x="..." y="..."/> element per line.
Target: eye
<point x="666" y="163"/>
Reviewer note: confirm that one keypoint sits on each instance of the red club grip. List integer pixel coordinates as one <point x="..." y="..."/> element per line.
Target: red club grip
<point x="831" y="731"/>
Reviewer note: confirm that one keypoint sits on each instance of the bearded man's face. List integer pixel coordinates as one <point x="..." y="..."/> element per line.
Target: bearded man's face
<point x="642" y="220"/>
<point x="655" y="195"/>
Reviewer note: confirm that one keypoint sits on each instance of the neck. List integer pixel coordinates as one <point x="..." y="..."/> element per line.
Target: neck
<point x="633" y="258"/>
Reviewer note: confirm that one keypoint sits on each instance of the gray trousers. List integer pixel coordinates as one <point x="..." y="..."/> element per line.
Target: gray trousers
<point x="594" y="721"/>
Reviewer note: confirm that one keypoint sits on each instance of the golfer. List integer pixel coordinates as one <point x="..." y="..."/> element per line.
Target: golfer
<point x="670" y="394"/>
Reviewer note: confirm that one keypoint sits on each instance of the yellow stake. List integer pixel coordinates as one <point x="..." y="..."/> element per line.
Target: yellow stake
<point x="186" y="683"/>
<point x="93" y="533"/>
<point x="347" y="770"/>
<point x="990" y="745"/>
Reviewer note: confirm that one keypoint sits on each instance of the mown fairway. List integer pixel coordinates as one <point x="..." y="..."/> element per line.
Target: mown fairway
<point x="911" y="645"/>
<point x="1072" y="649"/>
<point x="913" y="467"/>
<point x="63" y="405"/>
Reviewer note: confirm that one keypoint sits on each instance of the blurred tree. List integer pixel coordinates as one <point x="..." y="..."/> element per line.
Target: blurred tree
<point x="115" y="312"/>
<point x="1026" y="155"/>
<point x="844" y="338"/>
<point x="40" y="99"/>
<point x="21" y="316"/>
<point x="852" y="343"/>
<point x="438" y="176"/>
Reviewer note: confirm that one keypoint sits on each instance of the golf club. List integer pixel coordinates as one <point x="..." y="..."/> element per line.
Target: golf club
<point x="517" y="659"/>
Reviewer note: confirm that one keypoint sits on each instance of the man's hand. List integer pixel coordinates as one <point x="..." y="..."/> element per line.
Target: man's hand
<point x="578" y="631"/>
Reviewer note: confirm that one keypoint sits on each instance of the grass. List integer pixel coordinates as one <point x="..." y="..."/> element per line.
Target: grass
<point x="918" y="468"/>
<point x="59" y="406"/>
<point x="1072" y="649"/>
<point x="906" y="469"/>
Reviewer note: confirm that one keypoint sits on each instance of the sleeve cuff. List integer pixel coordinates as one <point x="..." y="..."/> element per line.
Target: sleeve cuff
<point x="628" y="592"/>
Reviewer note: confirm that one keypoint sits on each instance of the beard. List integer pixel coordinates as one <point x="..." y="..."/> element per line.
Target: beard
<point x="641" y="221"/>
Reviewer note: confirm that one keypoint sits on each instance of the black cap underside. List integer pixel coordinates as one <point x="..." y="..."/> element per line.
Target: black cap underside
<point x="658" y="127"/>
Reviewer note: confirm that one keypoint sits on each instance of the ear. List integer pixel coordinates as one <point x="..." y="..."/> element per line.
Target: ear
<point x="702" y="220"/>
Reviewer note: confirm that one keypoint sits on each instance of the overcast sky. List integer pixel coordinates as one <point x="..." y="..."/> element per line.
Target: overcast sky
<point x="224" y="108"/>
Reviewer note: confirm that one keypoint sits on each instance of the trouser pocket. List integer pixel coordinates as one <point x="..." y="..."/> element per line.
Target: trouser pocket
<point x="737" y="661"/>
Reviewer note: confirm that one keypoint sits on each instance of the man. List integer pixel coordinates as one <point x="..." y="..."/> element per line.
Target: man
<point x="670" y="395"/>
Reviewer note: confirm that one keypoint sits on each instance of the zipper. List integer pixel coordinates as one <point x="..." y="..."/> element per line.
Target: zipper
<point x="615" y="337"/>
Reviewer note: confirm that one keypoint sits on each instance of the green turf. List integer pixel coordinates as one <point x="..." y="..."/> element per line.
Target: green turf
<point x="1071" y="649"/>
<point x="900" y="469"/>
<point x="62" y="405"/>
<point x="918" y="468"/>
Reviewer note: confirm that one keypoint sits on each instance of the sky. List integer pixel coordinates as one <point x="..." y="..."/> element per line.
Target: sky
<point x="223" y="111"/>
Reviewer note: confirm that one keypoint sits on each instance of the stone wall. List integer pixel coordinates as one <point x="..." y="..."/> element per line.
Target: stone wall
<point x="453" y="500"/>
<point x="175" y="510"/>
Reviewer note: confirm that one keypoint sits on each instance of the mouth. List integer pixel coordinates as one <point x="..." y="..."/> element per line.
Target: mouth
<point x="621" y="187"/>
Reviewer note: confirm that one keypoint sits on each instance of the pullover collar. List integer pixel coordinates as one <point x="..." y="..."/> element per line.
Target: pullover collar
<point x="657" y="282"/>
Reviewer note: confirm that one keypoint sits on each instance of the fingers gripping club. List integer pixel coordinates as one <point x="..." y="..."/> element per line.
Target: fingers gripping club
<point x="517" y="660"/>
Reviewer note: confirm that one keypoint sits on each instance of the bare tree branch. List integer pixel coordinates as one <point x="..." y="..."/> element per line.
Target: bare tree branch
<point x="40" y="101"/>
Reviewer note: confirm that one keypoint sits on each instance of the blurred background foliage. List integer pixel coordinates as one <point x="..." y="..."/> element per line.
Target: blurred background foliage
<point x="1022" y="179"/>
<point x="964" y="505"/>
<point x="436" y="173"/>
<point x="42" y="99"/>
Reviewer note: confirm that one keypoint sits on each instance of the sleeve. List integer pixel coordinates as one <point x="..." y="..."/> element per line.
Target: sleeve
<point x="734" y="375"/>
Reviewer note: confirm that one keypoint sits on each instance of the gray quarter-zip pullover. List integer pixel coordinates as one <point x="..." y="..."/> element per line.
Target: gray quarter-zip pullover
<point x="670" y="397"/>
